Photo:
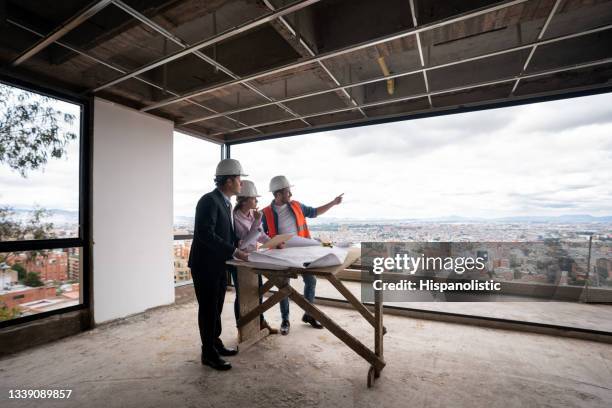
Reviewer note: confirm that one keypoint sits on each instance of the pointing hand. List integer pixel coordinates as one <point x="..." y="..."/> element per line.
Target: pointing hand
<point x="338" y="199"/>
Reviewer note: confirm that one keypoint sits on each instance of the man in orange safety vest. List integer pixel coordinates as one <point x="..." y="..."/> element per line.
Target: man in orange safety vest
<point x="285" y="216"/>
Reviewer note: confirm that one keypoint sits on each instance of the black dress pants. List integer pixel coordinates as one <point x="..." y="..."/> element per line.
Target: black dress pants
<point x="210" y="284"/>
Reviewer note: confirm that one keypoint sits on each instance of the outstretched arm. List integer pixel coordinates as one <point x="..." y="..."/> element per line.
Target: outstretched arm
<point x="323" y="209"/>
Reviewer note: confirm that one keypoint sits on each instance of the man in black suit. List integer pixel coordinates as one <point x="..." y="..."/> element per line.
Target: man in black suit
<point x="214" y="242"/>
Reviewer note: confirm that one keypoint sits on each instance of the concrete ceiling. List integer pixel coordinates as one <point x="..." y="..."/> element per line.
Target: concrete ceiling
<point x="237" y="70"/>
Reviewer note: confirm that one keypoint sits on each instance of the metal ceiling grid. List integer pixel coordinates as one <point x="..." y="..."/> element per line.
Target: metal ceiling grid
<point x="221" y="82"/>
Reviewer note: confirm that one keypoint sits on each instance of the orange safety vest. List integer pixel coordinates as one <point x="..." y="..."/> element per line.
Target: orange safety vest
<point x="300" y="220"/>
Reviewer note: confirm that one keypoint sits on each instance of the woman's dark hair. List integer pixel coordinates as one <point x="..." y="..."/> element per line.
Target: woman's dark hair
<point x="239" y="201"/>
<point x="221" y="180"/>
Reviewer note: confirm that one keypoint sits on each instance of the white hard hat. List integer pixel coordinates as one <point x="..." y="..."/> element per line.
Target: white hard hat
<point x="278" y="183"/>
<point x="248" y="189"/>
<point x="229" y="167"/>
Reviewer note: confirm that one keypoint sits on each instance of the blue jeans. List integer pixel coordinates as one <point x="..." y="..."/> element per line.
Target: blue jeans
<point x="234" y="273"/>
<point x="310" y="283"/>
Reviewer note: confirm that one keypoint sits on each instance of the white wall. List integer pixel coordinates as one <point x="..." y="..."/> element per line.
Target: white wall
<point x="132" y="212"/>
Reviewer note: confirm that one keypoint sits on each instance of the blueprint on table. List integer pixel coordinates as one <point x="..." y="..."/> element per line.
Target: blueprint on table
<point x="300" y="257"/>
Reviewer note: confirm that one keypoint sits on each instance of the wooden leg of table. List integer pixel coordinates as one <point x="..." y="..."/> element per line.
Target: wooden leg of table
<point x="352" y="299"/>
<point x="244" y="345"/>
<point x="266" y="287"/>
<point x="360" y="307"/>
<point x="339" y="332"/>
<point x="378" y="328"/>
<point x="248" y="299"/>
<point x="267" y="304"/>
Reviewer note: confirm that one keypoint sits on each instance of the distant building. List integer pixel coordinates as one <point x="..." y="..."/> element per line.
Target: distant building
<point x="74" y="267"/>
<point x="25" y="294"/>
<point x="8" y="276"/>
<point x="50" y="266"/>
<point x="181" y="249"/>
<point x="182" y="273"/>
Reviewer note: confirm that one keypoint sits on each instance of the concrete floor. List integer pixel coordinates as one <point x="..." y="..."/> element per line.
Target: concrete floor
<point x="567" y="314"/>
<point x="152" y="360"/>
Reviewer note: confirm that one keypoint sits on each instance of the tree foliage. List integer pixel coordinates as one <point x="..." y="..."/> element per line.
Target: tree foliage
<point x="33" y="280"/>
<point x="31" y="129"/>
<point x="7" y="313"/>
<point x="33" y="228"/>
<point x="21" y="271"/>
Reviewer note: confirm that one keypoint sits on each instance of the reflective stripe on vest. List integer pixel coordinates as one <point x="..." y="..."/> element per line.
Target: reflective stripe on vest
<point x="300" y="220"/>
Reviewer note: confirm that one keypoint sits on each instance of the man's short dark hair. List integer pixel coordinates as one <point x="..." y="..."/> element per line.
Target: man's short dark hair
<point x="221" y="180"/>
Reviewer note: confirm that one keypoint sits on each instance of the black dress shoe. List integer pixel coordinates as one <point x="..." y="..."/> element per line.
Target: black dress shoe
<point x="224" y="351"/>
<point x="216" y="362"/>
<point x="311" y="320"/>
<point x="284" y="329"/>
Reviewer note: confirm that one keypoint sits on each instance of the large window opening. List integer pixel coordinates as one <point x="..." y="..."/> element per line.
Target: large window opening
<point x="195" y="161"/>
<point x="527" y="173"/>
<point x="43" y="224"/>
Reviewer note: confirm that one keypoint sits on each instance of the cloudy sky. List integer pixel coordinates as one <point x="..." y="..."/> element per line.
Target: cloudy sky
<point x="56" y="185"/>
<point x="542" y="159"/>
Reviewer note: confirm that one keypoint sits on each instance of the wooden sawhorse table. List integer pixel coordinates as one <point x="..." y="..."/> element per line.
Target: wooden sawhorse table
<point x="248" y="325"/>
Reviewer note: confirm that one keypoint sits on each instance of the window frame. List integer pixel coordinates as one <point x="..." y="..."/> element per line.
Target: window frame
<point x="84" y="239"/>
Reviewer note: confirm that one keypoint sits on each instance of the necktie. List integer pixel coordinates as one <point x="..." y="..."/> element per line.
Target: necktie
<point x="229" y="205"/>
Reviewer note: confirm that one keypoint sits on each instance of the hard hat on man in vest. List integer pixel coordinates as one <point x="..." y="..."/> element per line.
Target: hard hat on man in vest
<point x="248" y="189"/>
<point x="278" y="183"/>
<point x="229" y="167"/>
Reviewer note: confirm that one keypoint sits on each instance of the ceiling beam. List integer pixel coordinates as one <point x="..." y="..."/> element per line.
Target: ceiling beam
<point x="553" y="10"/>
<point x="181" y="43"/>
<point x="121" y="70"/>
<point x="298" y="5"/>
<point x="311" y="53"/>
<point x="61" y="31"/>
<point x="426" y="94"/>
<point x="414" y="71"/>
<point x="420" y="48"/>
<point x="337" y="53"/>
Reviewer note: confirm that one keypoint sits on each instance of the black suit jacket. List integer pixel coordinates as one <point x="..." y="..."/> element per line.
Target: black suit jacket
<point x="214" y="239"/>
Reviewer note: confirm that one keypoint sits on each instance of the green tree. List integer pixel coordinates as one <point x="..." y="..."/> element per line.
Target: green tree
<point x="21" y="271"/>
<point x="32" y="279"/>
<point x="31" y="129"/>
<point x="7" y="313"/>
<point x="9" y="229"/>
<point x="34" y="228"/>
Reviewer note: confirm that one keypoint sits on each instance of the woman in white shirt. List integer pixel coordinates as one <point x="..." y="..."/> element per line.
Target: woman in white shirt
<point x="247" y="224"/>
